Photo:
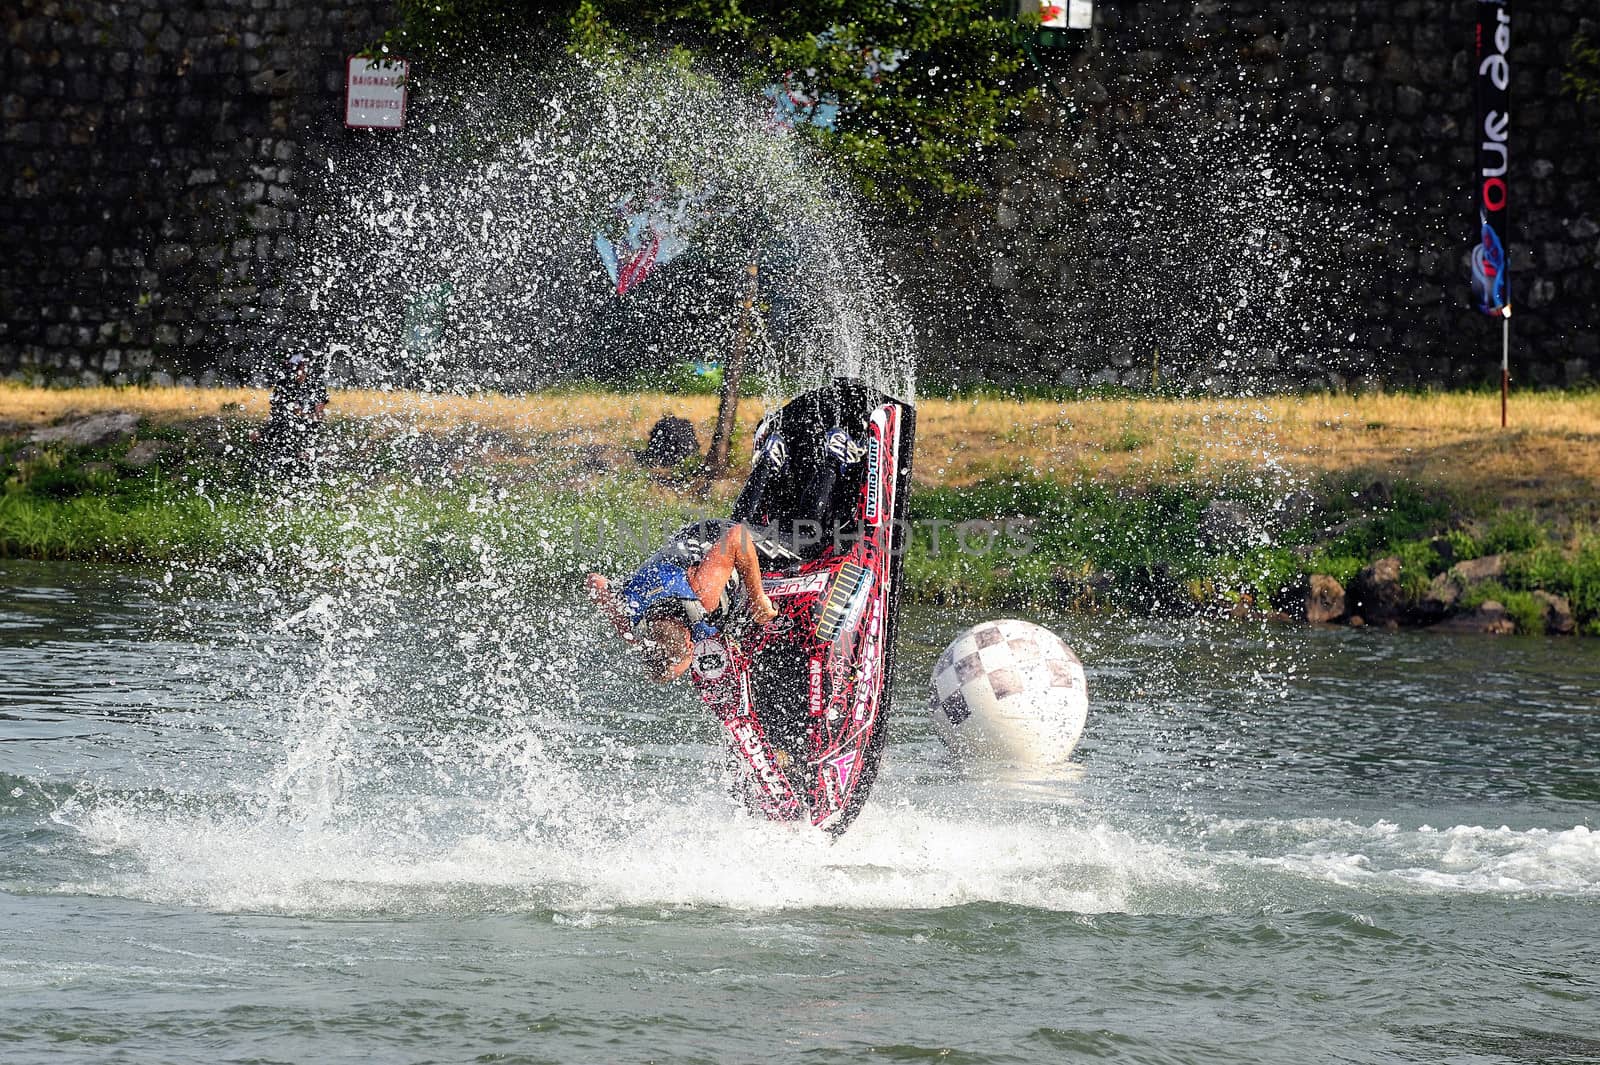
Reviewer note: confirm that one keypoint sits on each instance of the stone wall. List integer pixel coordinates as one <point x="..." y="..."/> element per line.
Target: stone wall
<point x="152" y="162"/>
<point x="1276" y="192"/>
<point x="1258" y="193"/>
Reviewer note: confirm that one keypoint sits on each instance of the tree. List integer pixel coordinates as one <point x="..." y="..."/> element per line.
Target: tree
<point x="1582" y="76"/>
<point x="923" y="88"/>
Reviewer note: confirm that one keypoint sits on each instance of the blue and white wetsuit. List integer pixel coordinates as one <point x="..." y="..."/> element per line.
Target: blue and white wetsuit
<point x="660" y="587"/>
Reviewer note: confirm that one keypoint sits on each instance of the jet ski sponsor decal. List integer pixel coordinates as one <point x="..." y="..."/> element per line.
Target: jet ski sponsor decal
<point x="874" y="482"/>
<point x="750" y="742"/>
<point x="808" y="584"/>
<point x="846" y="597"/>
<point x="710" y="660"/>
<point x="837" y="443"/>
<point x="869" y="668"/>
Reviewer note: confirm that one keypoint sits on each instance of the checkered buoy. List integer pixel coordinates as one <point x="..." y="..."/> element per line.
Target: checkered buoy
<point x="1009" y="691"/>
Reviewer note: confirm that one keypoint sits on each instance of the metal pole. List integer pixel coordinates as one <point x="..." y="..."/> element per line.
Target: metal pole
<point x="1505" y="362"/>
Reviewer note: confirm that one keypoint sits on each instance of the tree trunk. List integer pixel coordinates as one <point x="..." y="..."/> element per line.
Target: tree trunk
<point x="732" y="371"/>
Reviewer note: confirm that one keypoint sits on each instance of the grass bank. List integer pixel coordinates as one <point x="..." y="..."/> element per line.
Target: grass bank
<point x="1548" y="460"/>
<point x="1172" y="505"/>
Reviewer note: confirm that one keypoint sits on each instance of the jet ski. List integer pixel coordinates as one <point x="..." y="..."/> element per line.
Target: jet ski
<point x="805" y="698"/>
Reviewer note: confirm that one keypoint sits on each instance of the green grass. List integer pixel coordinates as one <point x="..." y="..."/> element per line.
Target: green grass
<point x="1377" y="528"/>
<point x="1572" y="572"/>
<point x="81" y="505"/>
<point x="1526" y="611"/>
<point x="155" y="527"/>
<point x="1085" y="542"/>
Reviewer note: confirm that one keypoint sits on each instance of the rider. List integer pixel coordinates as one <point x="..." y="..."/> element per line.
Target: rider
<point x="705" y="576"/>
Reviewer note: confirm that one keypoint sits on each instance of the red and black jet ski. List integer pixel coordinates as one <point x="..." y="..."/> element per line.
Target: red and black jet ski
<point x="805" y="698"/>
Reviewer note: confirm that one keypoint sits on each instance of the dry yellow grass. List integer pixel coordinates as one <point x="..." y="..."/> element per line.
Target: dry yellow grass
<point x="1550" y="453"/>
<point x="41" y="406"/>
<point x="1549" y="456"/>
<point x="589" y="417"/>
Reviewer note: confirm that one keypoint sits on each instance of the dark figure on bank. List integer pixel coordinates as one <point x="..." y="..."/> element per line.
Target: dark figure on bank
<point x="299" y="400"/>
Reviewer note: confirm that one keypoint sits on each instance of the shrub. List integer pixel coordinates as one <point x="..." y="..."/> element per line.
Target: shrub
<point x="1513" y="530"/>
<point x="1463" y="545"/>
<point x="1543" y="567"/>
<point x="1341" y="568"/>
<point x="1129" y="439"/>
<point x="1526" y="611"/>
<point x="1410" y="515"/>
<point x="1419" y="562"/>
<point x="1584" y="590"/>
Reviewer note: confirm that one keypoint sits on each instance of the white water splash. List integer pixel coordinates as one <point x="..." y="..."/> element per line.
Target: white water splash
<point x="450" y="854"/>
<point x="464" y="257"/>
<point x="1460" y="859"/>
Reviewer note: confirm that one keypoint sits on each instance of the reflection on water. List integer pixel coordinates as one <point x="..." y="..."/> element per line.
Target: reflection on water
<point x="1313" y="813"/>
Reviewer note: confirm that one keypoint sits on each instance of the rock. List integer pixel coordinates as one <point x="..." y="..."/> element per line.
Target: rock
<point x="1378" y="494"/>
<point x="1294" y="509"/>
<point x="1445" y="590"/>
<point x="1558" y="619"/>
<point x="671" y="441"/>
<point x="1357" y="621"/>
<point x="147" y="453"/>
<point x="1376" y="591"/>
<point x="1225" y="523"/>
<point x="592" y="459"/>
<point x="1324" y="599"/>
<point x="1441" y="597"/>
<point x="1490" y="618"/>
<point x="95" y="430"/>
<point x="1478" y="570"/>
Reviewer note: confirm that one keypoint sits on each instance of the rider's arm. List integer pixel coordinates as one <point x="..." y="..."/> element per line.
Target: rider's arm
<point x="734" y="553"/>
<point x="748" y="565"/>
<point x="600" y="591"/>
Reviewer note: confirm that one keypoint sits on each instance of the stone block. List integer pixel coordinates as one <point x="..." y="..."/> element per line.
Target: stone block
<point x="1541" y="292"/>
<point x="1002" y="274"/>
<point x="1581" y="228"/>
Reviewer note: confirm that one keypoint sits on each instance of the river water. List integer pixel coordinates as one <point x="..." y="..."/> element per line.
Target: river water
<point x="227" y="838"/>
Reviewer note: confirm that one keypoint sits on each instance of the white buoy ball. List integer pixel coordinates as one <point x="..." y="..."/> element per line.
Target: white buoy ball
<point x="1009" y="691"/>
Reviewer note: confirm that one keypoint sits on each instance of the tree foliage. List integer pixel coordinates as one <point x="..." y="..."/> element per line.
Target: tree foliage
<point x="1582" y="76"/>
<point x="923" y="87"/>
